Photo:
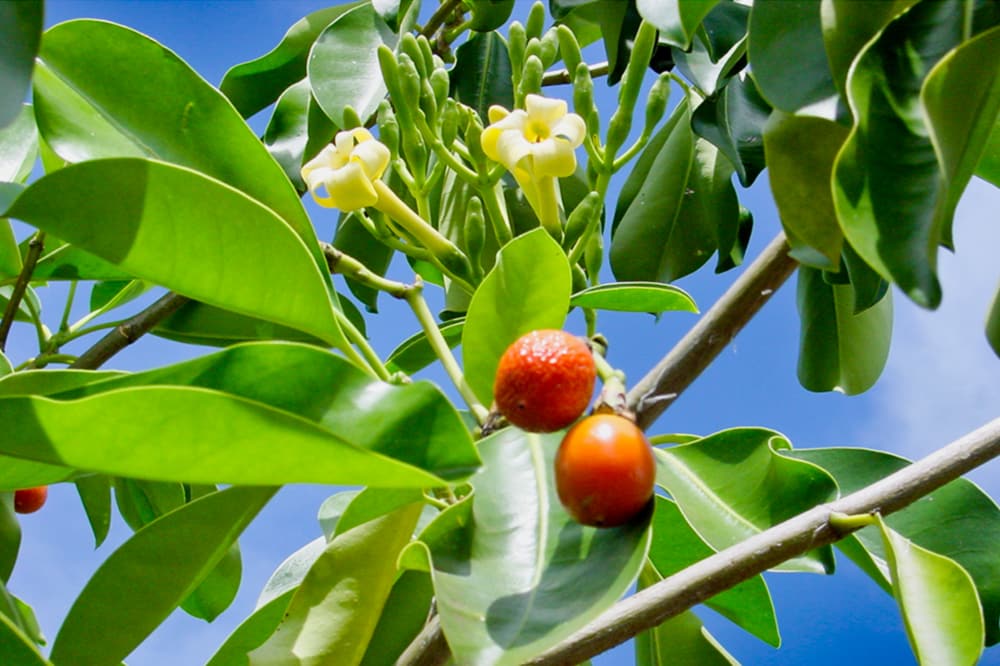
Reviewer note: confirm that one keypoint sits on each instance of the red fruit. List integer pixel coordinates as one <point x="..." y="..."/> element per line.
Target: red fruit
<point x="30" y="500"/>
<point x="605" y="471"/>
<point x="545" y="380"/>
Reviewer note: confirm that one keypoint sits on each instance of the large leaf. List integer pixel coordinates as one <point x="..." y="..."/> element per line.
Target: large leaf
<point x="103" y="90"/>
<point x="19" y="473"/>
<point x="733" y="120"/>
<point x="18" y="145"/>
<point x="676" y="20"/>
<point x="47" y="382"/>
<point x="908" y="158"/>
<point x="177" y="551"/>
<point x="20" y="31"/>
<point x="61" y="261"/>
<point x="676" y="545"/>
<point x="481" y="76"/>
<point x="839" y="348"/>
<point x="297" y="130"/>
<point x="413" y="423"/>
<point x="15" y="646"/>
<point x="405" y="613"/>
<point x="527" y="289"/>
<point x="252" y="632"/>
<point x="938" y="600"/>
<point x="186" y="231"/>
<point x="343" y="63"/>
<point x="253" y="85"/>
<point x="737" y="483"/>
<point x="334" y="612"/>
<point x="718" y="48"/>
<point x="200" y="324"/>
<point x="959" y="521"/>
<point x="989" y="164"/>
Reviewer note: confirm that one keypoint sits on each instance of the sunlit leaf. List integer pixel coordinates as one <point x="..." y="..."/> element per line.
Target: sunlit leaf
<point x="10" y="536"/>
<point x="18" y="145"/>
<point x="20" y="32"/>
<point x="298" y="128"/>
<point x="989" y="164"/>
<point x="718" y="48"/>
<point x="251" y="633"/>
<point x="675" y="19"/>
<point x="481" y="76"/>
<point x="635" y="297"/>
<point x="95" y="496"/>
<point x="415" y="353"/>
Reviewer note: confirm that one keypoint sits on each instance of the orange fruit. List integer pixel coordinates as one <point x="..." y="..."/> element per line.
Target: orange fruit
<point x="30" y="500"/>
<point x="544" y="380"/>
<point x="604" y="471"/>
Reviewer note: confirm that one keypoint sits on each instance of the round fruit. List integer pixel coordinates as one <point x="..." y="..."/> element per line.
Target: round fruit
<point x="30" y="500"/>
<point x="605" y="470"/>
<point x="544" y="380"/>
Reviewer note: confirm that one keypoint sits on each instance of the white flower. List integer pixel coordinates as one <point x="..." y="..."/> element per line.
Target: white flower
<point x="348" y="170"/>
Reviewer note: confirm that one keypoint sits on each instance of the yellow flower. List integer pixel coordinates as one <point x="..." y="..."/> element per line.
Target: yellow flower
<point x="537" y="146"/>
<point x="348" y="170"/>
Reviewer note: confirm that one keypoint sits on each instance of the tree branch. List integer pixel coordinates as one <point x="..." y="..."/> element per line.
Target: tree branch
<point x="663" y="384"/>
<point x="129" y="331"/>
<point x="23" y="279"/>
<point x="440" y="17"/>
<point x="561" y="76"/>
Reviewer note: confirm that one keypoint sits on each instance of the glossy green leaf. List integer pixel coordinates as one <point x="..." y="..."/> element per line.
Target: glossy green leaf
<point x="734" y="122"/>
<point x="528" y="288"/>
<point x="297" y="130"/>
<point x="10" y="536"/>
<point x="354" y="240"/>
<point x="331" y="510"/>
<point x="21" y="615"/>
<point x="10" y="257"/>
<point x="372" y="503"/>
<point x="683" y="201"/>
<point x="788" y="54"/>
<point x="103" y="90"/>
<point x="334" y="611"/>
<point x="18" y="145"/>
<point x="253" y="85"/>
<point x="177" y="551"/>
<point x="234" y="253"/>
<point x="481" y="76"/>
<point x="736" y="483"/>
<point x="392" y="11"/>
<point x="676" y="20"/>
<point x="95" y="496"/>
<point x="993" y="325"/>
<point x="289" y="574"/>
<point x="200" y="324"/>
<point x="251" y="633"/>
<point x="405" y="613"/>
<point x="19" y="473"/>
<point x="343" y="64"/>
<point x="840" y="349"/>
<point x="938" y="601"/>
<point x="24" y="309"/>
<point x="5" y="367"/>
<point x="110" y="294"/>
<point x="635" y="297"/>
<point x="60" y="261"/>
<point x="989" y="164"/>
<point x="15" y="646"/>
<point x="958" y="520"/>
<point x="908" y="158"/>
<point x="800" y="154"/>
<point x="141" y="502"/>
<point x="675" y="546"/>
<point x="20" y="32"/>
<point x="47" y="382"/>
<point x="682" y="639"/>
<point x="413" y="423"/>
<point x="415" y="353"/>
<point x="513" y="573"/>
<point x="717" y="49"/>
<point x="619" y="22"/>
<point x="488" y="15"/>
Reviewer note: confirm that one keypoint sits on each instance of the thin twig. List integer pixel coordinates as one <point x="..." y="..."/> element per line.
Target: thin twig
<point x="663" y="384"/>
<point x="129" y="331"/>
<point x="561" y="76"/>
<point x="35" y="246"/>
<point x="439" y="17"/>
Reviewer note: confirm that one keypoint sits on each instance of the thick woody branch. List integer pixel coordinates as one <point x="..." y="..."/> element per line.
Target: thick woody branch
<point x="662" y="385"/>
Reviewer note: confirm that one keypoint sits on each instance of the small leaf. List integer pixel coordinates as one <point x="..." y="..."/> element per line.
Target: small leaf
<point x="343" y="64"/>
<point x="289" y="574"/>
<point x="5" y="367"/>
<point x="372" y="503"/>
<point x="528" y="288"/>
<point x="176" y="551"/>
<point x="253" y="85"/>
<point x="331" y="510"/>
<point x="993" y="325"/>
<point x="733" y="121"/>
<point x="20" y="32"/>
<point x="251" y="633"/>
<point x="111" y="294"/>
<point x="415" y="353"/>
<point x="481" y="76"/>
<point x="403" y="616"/>
<point x="938" y="601"/>
<point x="334" y="612"/>
<point x="718" y="48"/>
<point x="675" y="19"/>
<point x="95" y="495"/>
<point x="10" y="536"/>
<point x="354" y="240"/>
<point x="635" y="297"/>
<point x="297" y="125"/>
<point x="736" y="483"/>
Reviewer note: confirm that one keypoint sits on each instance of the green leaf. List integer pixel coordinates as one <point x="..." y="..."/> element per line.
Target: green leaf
<point x="513" y="573"/>
<point x="343" y="64"/>
<point x="18" y="145"/>
<point x="682" y="639"/>
<point x="60" y="261"/>
<point x="253" y="85"/>
<point x="958" y="520"/>
<point x="938" y="601"/>
<point x="330" y="512"/>
<point x="989" y="164"/>
<point x="251" y="633"/>
<point x="414" y="423"/>
<point x="675" y="207"/>
<point x="95" y="495"/>
<point x="5" y="367"/>
<point x="24" y="309"/>
<point x="372" y="503"/>
<point x="110" y="294"/>
<point x="993" y="325"/>
<point x="103" y="90"/>
<point x="619" y="23"/>
<point x="718" y="48"/>
<point x="20" y="32"/>
<point x="298" y="128"/>
<point x="527" y="289"/>
<point x="488" y="15"/>
<point x="403" y="617"/>
<point x="800" y="154"/>
<point x="733" y="120"/>
<point x="908" y="158"/>
<point x="10" y="535"/>
<point x="737" y="483"/>
<point x="676" y="20"/>
<point x="481" y="76"/>
<point x="15" y="646"/>
<point x="675" y="546"/>
<point x="334" y="612"/>
<point x="177" y="551"/>
<point x="200" y="324"/>
<point x="415" y="353"/>
<point x="392" y="12"/>
<point x="635" y="297"/>
<point x="788" y="54"/>
<point x="18" y="473"/>
<point x="188" y="232"/>
<point x="47" y="382"/>
<point x="839" y="348"/>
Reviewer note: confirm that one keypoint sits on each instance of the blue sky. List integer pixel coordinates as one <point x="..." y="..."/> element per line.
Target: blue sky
<point x="941" y="381"/>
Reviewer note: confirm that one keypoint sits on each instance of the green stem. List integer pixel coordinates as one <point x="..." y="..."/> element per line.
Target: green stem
<point x="440" y="17"/>
<point x="845" y="523"/>
<point x="368" y="358"/>
<point x="43" y="360"/>
<point x="64" y="322"/>
<point x="346" y="265"/>
<point x="593" y="225"/>
<point x="495" y="211"/>
<point x="631" y="152"/>
<point x="548" y="207"/>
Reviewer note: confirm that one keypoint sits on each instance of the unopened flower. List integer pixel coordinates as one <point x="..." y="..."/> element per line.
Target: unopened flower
<point x="348" y="169"/>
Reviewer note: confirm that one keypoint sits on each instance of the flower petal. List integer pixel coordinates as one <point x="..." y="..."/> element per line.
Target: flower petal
<point x="348" y="188"/>
<point x="373" y="156"/>
<point x="572" y="128"/>
<point x="546" y="110"/>
<point x="554" y="157"/>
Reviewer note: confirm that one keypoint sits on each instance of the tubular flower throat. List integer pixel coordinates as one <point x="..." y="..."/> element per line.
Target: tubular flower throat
<point x="348" y="169"/>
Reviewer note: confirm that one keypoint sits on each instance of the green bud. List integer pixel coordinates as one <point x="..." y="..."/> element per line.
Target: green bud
<point x="628" y="91"/>
<point x="531" y="79"/>
<point x="569" y="48"/>
<point x="409" y="81"/>
<point x="351" y="118"/>
<point x="408" y="47"/>
<point x="656" y="103"/>
<point x="449" y="122"/>
<point x="426" y="55"/>
<point x="534" y="48"/>
<point x="593" y="255"/>
<point x="440" y="84"/>
<point x="583" y="99"/>
<point x="428" y="101"/>
<point x="536" y="21"/>
<point x="580" y="219"/>
<point x="579" y="279"/>
<point x="388" y="128"/>
<point x="390" y="74"/>
<point x="475" y="231"/>
<point x="516" y="43"/>
<point x="549" y="48"/>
